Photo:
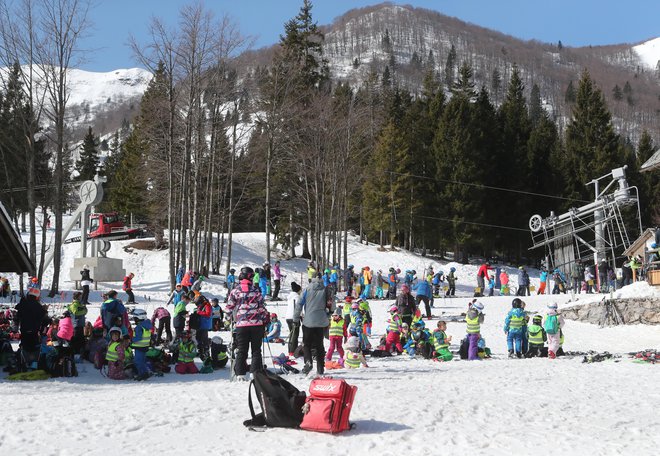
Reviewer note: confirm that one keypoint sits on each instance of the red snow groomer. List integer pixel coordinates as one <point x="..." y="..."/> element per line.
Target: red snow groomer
<point x="109" y="226"/>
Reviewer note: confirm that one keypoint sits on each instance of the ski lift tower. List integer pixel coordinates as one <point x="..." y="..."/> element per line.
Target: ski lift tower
<point x="591" y="231"/>
<point x="101" y="268"/>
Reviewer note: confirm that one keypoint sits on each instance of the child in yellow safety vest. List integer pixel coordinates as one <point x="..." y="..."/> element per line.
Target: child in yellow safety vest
<point x="353" y="356"/>
<point x="441" y="343"/>
<point x="394" y="331"/>
<point x="536" y="337"/>
<point x="187" y="352"/>
<point x="336" y="335"/>
<point x="513" y="328"/>
<point x="116" y="354"/>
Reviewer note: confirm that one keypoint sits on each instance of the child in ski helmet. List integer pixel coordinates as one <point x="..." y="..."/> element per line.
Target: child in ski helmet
<point x="337" y="335"/>
<point x="187" y="352"/>
<point x="393" y="330"/>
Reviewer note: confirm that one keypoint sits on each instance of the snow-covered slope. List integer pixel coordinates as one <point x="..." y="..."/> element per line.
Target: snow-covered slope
<point x="403" y="405"/>
<point x="649" y="53"/>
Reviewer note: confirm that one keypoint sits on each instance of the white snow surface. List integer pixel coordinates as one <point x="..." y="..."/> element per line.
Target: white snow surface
<point x="493" y="407"/>
<point x="649" y="52"/>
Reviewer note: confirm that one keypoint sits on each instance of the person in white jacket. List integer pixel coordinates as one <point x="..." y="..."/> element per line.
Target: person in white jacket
<point x="294" y="331"/>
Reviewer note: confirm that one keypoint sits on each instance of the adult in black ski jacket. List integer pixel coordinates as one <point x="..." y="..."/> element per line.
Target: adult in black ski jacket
<point x="29" y="316"/>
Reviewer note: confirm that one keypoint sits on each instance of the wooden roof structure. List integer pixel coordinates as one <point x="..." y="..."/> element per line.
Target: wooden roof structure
<point x="13" y="254"/>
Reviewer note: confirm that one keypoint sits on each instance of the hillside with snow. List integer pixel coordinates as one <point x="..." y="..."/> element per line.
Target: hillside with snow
<point x="403" y="405"/>
<point x="100" y="100"/>
<point x="649" y="53"/>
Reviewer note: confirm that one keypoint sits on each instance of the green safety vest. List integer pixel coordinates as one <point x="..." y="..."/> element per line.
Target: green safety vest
<point x="145" y="341"/>
<point x="473" y="326"/>
<point x="440" y="342"/>
<point x="535" y="335"/>
<point x="111" y="355"/>
<point x="311" y="272"/>
<point x="186" y="352"/>
<point x="394" y="324"/>
<point x="516" y="322"/>
<point x="337" y="328"/>
<point x="352" y="360"/>
<point x="561" y="337"/>
<point x="222" y="355"/>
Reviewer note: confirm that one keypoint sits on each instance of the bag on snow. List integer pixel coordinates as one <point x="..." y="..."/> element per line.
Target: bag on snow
<point x="194" y="320"/>
<point x="329" y="405"/>
<point x="281" y="402"/>
<point x="464" y="348"/>
<point x="551" y="325"/>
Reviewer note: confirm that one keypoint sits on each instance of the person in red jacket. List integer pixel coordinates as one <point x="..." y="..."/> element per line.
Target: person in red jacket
<point x="205" y="312"/>
<point x="482" y="274"/>
<point x="128" y="288"/>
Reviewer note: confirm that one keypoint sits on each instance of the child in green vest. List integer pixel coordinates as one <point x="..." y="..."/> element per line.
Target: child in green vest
<point x="187" y="352"/>
<point x="336" y="335"/>
<point x="116" y="354"/>
<point x="441" y="342"/>
<point x="537" y="337"/>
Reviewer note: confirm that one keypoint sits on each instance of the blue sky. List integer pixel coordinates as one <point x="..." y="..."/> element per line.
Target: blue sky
<point x="574" y="22"/>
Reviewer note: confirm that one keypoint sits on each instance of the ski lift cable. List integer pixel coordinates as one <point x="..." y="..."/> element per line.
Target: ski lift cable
<point x="490" y="187"/>
<point x="471" y="223"/>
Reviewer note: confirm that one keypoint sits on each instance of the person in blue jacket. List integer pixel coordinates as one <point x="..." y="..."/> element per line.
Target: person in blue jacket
<point x="334" y="277"/>
<point x="438" y="278"/>
<point x="111" y="309"/>
<point x="140" y="343"/>
<point x="523" y="282"/>
<point x="231" y="282"/>
<point x="326" y="278"/>
<point x="349" y="275"/>
<point x="423" y="289"/>
<point x="514" y="325"/>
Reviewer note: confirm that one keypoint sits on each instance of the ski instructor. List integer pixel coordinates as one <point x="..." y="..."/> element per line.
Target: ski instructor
<point x="318" y="304"/>
<point x="250" y="316"/>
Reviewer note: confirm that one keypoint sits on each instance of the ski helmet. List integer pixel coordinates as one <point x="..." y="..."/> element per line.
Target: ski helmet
<point x="516" y="303"/>
<point x="232" y="270"/>
<point x="247" y="273"/>
<point x="139" y="314"/>
<point x="217" y="340"/>
<point x="273" y="315"/>
<point x="452" y="269"/>
<point x="393" y="309"/>
<point x="115" y="329"/>
<point x="355" y="306"/>
<point x="537" y="319"/>
<point x="552" y="306"/>
<point x="479" y="307"/>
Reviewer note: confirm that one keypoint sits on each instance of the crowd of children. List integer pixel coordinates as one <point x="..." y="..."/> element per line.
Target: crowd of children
<point x="129" y="342"/>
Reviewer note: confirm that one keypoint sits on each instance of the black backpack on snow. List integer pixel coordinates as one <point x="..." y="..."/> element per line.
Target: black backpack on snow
<point x="281" y="402"/>
<point x="463" y="349"/>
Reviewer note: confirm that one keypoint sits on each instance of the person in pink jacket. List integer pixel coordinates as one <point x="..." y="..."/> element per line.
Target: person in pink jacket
<point x="504" y="280"/>
<point x="65" y="328"/>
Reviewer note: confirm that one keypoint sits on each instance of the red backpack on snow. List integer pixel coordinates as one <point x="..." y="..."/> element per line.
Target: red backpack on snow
<point x="328" y="406"/>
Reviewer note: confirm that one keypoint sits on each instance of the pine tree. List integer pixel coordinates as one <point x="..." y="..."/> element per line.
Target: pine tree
<point x="617" y="94"/>
<point x="89" y="157"/>
<point x="570" y="95"/>
<point x="628" y="93"/>
<point x="464" y="86"/>
<point x="535" y="106"/>
<point x="592" y="146"/>
<point x="380" y="190"/>
<point x="450" y="66"/>
<point x="513" y="165"/>
<point x="128" y="184"/>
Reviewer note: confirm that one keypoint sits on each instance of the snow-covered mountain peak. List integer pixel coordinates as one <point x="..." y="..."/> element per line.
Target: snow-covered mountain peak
<point x="649" y="52"/>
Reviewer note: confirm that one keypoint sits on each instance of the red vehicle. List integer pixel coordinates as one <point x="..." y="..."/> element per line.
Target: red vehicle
<point x="108" y="226"/>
